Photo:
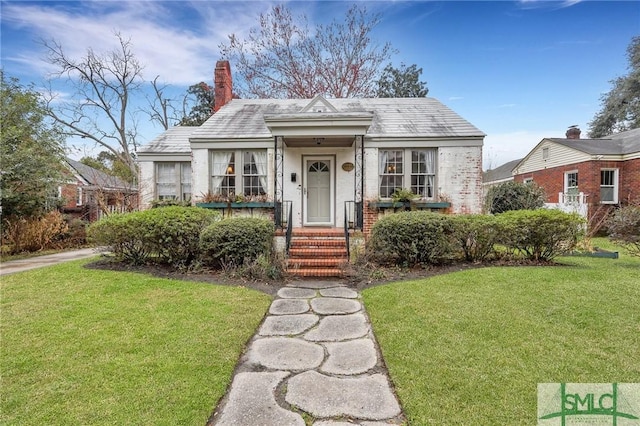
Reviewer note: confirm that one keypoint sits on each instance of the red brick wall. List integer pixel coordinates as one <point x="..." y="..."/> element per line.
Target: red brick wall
<point x="223" y="86"/>
<point x="630" y="181"/>
<point x="552" y="179"/>
<point x="369" y="217"/>
<point x="69" y="195"/>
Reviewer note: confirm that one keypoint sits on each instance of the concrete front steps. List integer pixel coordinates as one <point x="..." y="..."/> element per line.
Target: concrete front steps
<point x="317" y="252"/>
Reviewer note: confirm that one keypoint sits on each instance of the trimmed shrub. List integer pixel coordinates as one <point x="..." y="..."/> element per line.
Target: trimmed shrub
<point x="512" y="195"/>
<point x="124" y="234"/>
<point x="624" y="228"/>
<point x="476" y="235"/>
<point x="541" y="234"/>
<point x="169" y="203"/>
<point x="236" y="240"/>
<point x="170" y="234"/>
<point x="412" y="238"/>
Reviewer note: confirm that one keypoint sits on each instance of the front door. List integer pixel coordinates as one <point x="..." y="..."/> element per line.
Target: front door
<point x="318" y="190"/>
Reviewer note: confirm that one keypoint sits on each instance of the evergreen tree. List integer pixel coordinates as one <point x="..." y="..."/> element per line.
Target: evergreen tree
<point x="403" y="82"/>
<point x="31" y="151"/>
<point x="621" y="105"/>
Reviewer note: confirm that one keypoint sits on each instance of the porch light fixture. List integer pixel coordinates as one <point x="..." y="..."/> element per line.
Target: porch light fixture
<point x="318" y="140"/>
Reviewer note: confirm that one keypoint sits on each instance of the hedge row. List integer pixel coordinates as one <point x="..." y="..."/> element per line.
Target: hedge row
<point x="419" y="237"/>
<point x="178" y="236"/>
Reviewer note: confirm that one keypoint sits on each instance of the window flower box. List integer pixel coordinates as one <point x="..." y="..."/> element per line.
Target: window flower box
<point x="419" y="205"/>
<point x="241" y="205"/>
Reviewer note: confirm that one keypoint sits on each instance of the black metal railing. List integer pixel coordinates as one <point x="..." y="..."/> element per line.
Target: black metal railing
<point x="346" y="228"/>
<point x="353" y="214"/>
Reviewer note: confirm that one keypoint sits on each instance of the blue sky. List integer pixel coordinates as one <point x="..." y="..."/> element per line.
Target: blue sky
<point x="519" y="71"/>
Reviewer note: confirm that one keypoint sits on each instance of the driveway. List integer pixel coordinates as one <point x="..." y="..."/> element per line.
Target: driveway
<point x="14" y="266"/>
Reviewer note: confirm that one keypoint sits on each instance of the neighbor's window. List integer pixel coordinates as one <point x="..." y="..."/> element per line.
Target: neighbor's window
<point x="173" y="181"/>
<point x="79" y="196"/>
<point x="571" y="186"/>
<point x="609" y="186"/>
<point x="545" y="153"/>
<point x="251" y="179"/>
<point x="415" y="166"/>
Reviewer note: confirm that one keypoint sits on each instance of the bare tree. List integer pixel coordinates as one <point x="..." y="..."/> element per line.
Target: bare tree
<point x="161" y="109"/>
<point x="283" y="58"/>
<point x="100" y="108"/>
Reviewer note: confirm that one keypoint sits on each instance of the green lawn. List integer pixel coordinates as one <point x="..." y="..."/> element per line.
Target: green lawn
<point x="88" y="347"/>
<point x="471" y="347"/>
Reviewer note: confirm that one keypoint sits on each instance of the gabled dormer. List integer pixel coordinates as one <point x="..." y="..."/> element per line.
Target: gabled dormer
<point x="319" y="104"/>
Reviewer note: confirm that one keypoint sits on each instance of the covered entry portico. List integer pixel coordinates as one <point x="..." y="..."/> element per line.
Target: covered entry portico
<point x="319" y="164"/>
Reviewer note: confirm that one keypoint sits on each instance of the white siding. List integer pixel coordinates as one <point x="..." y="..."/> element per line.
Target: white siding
<point x="146" y="186"/>
<point x="200" y="173"/>
<point x="559" y="155"/>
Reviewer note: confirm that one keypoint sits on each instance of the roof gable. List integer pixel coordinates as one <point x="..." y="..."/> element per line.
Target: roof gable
<point x="618" y="146"/>
<point x="95" y="177"/>
<point x="319" y="104"/>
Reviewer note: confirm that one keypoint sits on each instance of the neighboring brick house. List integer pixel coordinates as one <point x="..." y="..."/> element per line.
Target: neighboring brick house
<point x="593" y="172"/>
<point x="89" y="193"/>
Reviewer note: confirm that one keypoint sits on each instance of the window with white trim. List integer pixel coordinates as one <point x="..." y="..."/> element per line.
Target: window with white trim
<point x="571" y="186"/>
<point x="609" y="186"/>
<point x="412" y="168"/>
<point x="78" y="196"/>
<point x="173" y="181"/>
<point x="230" y="178"/>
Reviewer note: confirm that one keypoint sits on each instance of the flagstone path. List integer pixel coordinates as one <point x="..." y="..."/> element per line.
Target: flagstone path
<point x="314" y="361"/>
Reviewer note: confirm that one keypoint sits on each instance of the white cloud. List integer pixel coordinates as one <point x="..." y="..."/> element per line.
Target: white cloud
<point x="181" y="52"/>
<point x="555" y="4"/>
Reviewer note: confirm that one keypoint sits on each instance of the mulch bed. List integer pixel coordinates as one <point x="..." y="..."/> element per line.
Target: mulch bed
<point x="354" y="280"/>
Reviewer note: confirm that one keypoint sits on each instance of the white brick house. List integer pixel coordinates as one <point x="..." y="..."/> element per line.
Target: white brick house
<point x="320" y="159"/>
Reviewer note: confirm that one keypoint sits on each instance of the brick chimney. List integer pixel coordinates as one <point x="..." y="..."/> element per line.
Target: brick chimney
<point x="573" y="132"/>
<point x="223" y="87"/>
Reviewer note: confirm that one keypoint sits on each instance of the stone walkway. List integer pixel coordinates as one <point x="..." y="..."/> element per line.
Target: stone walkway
<point x="314" y="361"/>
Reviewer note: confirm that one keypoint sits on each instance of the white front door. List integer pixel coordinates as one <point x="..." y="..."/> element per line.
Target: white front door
<point x="317" y="194"/>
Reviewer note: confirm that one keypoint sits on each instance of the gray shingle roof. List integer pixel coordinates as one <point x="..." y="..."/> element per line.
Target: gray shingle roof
<point x="393" y="117"/>
<point x="501" y="172"/>
<point x="98" y="178"/>
<point x="173" y="140"/>
<point x="617" y="144"/>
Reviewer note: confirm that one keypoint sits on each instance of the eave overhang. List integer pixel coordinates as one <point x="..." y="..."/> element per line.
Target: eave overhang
<point x="318" y="124"/>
